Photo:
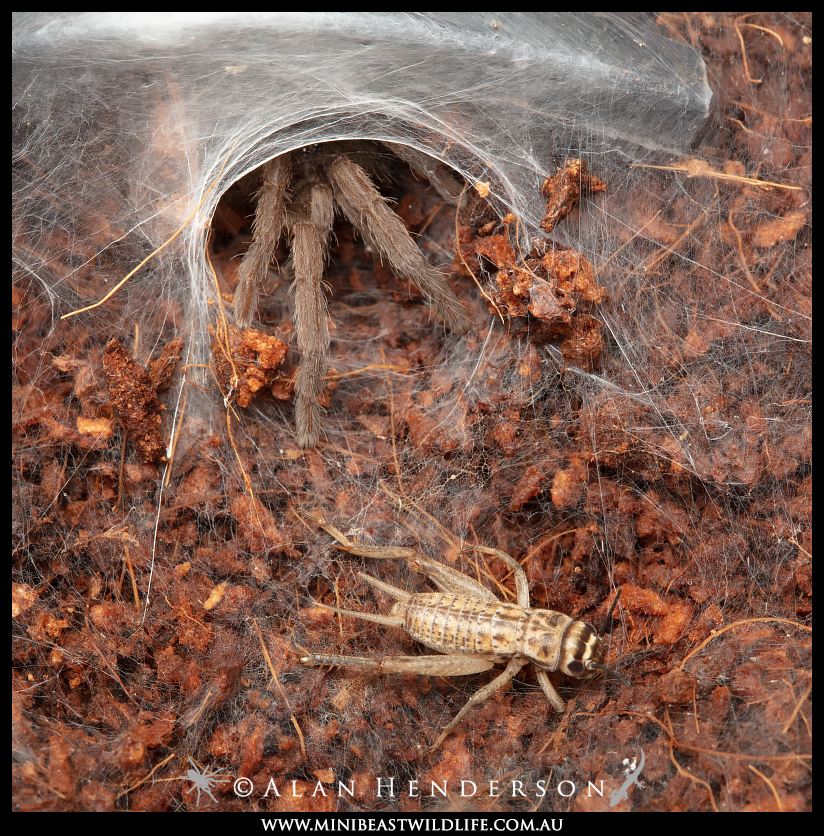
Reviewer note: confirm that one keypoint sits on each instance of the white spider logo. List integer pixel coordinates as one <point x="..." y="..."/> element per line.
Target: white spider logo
<point x="202" y="781"/>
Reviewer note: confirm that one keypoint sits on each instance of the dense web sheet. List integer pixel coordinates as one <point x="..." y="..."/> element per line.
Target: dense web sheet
<point x="163" y="108"/>
<point x="653" y="435"/>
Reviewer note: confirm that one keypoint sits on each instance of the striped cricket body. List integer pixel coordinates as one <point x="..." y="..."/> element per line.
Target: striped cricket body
<point x="452" y="623"/>
<point x="472" y="628"/>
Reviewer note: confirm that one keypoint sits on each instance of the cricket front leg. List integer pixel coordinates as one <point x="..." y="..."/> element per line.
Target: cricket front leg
<point x="549" y="690"/>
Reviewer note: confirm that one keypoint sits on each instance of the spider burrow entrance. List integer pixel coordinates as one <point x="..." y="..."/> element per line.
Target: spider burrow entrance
<point x="298" y="198"/>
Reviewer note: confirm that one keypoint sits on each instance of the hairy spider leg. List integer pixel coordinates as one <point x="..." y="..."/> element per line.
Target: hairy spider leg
<point x="312" y="228"/>
<point x="366" y="208"/>
<point x="270" y="218"/>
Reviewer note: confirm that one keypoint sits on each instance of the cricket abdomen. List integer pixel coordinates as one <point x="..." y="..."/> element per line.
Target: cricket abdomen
<point x="453" y="623"/>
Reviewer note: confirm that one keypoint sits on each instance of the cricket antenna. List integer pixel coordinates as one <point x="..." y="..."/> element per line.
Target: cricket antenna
<point x="609" y="672"/>
<point x="595" y="665"/>
<point x="609" y="614"/>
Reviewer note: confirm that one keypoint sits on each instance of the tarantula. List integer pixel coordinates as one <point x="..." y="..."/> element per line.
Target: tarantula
<point x="298" y="198"/>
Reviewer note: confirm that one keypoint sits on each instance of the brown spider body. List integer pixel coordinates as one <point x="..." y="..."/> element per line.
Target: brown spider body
<point x="300" y="192"/>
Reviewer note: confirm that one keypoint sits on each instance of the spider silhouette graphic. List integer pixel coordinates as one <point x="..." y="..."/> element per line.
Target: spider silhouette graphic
<point x="202" y="781"/>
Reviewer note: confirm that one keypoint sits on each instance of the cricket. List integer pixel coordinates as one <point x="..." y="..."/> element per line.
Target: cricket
<point x="471" y="628"/>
